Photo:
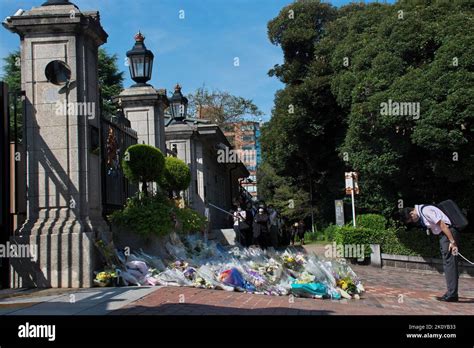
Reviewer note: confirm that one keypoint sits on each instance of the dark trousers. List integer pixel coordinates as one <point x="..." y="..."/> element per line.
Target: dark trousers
<point x="263" y="240"/>
<point x="238" y="235"/>
<point x="247" y="235"/>
<point x="274" y="236"/>
<point x="450" y="263"/>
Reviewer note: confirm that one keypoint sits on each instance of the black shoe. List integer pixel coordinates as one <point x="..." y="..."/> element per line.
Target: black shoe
<point x="449" y="299"/>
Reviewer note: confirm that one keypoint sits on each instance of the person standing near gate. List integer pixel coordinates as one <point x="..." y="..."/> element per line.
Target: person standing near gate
<point x="247" y="232"/>
<point x="239" y="218"/>
<point x="293" y="233"/>
<point x="432" y="218"/>
<point x="261" y="228"/>
<point x="273" y="217"/>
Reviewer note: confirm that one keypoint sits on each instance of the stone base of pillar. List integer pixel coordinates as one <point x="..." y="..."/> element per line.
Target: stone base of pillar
<point x="64" y="260"/>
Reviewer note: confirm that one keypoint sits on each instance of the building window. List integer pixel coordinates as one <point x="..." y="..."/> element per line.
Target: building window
<point x="247" y="127"/>
<point x="251" y="189"/>
<point x="248" y="138"/>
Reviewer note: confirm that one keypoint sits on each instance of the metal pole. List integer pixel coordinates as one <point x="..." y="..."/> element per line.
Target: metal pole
<point x="15" y="150"/>
<point x="311" y="198"/>
<point x="353" y="208"/>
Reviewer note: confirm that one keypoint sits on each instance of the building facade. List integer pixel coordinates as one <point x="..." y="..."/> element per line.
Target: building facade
<point x="244" y="138"/>
<point x="214" y="183"/>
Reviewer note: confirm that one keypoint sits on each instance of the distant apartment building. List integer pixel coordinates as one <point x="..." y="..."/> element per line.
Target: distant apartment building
<point x="244" y="138"/>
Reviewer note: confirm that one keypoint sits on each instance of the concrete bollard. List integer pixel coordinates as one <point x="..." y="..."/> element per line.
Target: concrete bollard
<point x="375" y="256"/>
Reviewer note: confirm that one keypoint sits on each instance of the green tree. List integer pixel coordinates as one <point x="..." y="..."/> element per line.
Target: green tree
<point x="408" y="156"/>
<point x="290" y="201"/>
<point x="110" y="80"/>
<point x="143" y="163"/>
<point x="341" y="66"/>
<point x="220" y="107"/>
<point x="176" y="175"/>
<point x="12" y="71"/>
<point x="12" y="76"/>
<point x="300" y="141"/>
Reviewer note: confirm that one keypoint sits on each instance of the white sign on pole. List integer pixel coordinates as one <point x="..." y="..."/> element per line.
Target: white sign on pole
<point x="352" y="187"/>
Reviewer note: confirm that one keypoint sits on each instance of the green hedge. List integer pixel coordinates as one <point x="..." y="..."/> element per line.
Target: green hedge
<point x="373" y="221"/>
<point x="398" y="241"/>
<point x="416" y="242"/>
<point x="329" y="233"/>
<point x="348" y="235"/>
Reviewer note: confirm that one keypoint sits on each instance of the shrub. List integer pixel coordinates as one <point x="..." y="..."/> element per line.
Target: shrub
<point x="348" y="235"/>
<point x="154" y="216"/>
<point x="191" y="220"/>
<point x="176" y="175"/>
<point x="143" y="163"/>
<point x="329" y="233"/>
<point x="146" y="215"/>
<point x="415" y="242"/>
<point x="373" y="221"/>
<point x="308" y="237"/>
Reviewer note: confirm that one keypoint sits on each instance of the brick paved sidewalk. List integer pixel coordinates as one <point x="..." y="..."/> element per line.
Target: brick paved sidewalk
<point x="388" y="291"/>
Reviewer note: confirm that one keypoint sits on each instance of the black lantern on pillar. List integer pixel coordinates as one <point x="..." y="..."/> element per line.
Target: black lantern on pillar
<point x="178" y="105"/>
<point x="56" y="2"/>
<point x="141" y="62"/>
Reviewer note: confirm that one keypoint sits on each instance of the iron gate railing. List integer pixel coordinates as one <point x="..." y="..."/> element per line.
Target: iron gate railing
<point x="116" y="136"/>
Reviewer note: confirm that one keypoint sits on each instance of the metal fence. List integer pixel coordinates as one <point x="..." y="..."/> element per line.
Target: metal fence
<point x="116" y="136"/>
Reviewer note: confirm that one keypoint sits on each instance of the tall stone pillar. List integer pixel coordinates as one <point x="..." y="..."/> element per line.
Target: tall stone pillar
<point x="145" y="108"/>
<point x="59" y="54"/>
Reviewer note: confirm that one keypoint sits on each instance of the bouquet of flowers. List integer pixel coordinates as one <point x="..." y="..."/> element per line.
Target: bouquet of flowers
<point x="293" y="262"/>
<point x="179" y="265"/>
<point x="200" y="282"/>
<point x="305" y="278"/>
<point x="105" y="278"/>
<point x="254" y="277"/>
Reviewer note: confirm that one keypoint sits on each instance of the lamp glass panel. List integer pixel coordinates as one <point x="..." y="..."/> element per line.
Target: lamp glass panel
<point x="139" y="66"/>
<point x="175" y="109"/>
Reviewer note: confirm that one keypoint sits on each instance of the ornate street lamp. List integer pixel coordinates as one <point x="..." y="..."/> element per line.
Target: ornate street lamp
<point x="141" y="62"/>
<point x="178" y="105"/>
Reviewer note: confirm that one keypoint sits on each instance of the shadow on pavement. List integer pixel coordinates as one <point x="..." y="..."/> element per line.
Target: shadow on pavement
<point x="201" y="309"/>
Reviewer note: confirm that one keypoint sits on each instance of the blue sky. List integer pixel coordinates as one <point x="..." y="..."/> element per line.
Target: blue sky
<point x="199" y="49"/>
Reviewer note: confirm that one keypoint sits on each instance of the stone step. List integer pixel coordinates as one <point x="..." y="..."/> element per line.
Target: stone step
<point x="225" y="236"/>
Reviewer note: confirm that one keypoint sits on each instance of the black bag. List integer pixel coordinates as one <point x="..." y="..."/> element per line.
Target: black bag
<point x="451" y="209"/>
<point x="454" y="213"/>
